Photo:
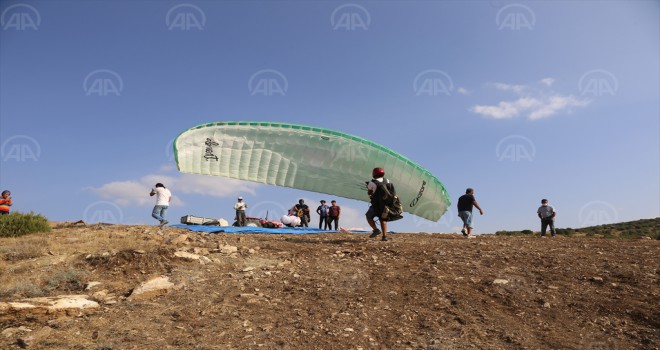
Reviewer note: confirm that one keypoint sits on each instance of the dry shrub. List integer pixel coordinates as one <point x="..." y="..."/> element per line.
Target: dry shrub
<point x="129" y="260"/>
<point x="68" y="281"/>
<point x="22" y="290"/>
<point x="24" y="248"/>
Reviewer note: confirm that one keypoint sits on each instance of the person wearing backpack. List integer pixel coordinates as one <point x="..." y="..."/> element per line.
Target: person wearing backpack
<point x="379" y="195"/>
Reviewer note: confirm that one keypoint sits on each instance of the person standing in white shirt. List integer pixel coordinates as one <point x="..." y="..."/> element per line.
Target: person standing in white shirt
<point x="240" y="207"/>
<point x="163" y="199"/>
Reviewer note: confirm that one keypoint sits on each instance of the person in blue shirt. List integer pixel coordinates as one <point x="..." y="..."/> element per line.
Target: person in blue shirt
<point x="322" y="210"/>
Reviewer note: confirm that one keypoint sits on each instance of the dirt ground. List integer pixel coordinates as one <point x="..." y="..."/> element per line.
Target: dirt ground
<point x="334" y="291"/>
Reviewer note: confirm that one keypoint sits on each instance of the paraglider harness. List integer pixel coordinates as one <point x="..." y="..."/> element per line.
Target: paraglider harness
<point x="385" y="201"/>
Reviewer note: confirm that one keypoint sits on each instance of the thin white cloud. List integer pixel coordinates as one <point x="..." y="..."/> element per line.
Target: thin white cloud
<point x="506" y="109"/>
<point x="547" y="81"/>
<point x="213" y="185"/>
<point x="463" y="91"/>
<point x="555" y="104"/>
<point x="136" y="192"/>
<point x="124" y="193"/>
<point x="534" y="102"/>
<point x="508" y="87"/>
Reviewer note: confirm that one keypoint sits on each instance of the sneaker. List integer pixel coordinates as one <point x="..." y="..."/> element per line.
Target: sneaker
<point x="375" y="233"/>
<point x="464" y="232"/>
<point x="163" y="223"/>
<point x="384" y="238"/>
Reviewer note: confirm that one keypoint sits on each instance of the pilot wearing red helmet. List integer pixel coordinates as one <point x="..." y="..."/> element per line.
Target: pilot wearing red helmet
<point x="373" y="212"/>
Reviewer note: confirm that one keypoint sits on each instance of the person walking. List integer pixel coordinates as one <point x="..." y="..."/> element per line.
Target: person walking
<point x="163" y="199"/>
<point x="322" y="210"/>
<point x="333" y="214"/>
<point x="240" y="207"/>
<point x="465" y="204"/>
<point x="378" y="190"/>
<point x="5" y="202"/>
<point x="547" y="215"/>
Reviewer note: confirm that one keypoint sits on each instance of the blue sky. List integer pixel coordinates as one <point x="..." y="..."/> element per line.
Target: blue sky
<point x="520" y="100"/>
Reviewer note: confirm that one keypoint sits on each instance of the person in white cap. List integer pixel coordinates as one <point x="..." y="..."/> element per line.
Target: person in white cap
<point x="240" y="207"/>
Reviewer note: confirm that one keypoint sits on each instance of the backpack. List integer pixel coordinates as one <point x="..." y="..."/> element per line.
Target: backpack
<point x="386" y="201"/>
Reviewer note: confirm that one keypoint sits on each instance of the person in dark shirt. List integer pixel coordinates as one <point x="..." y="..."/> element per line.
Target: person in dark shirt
<point x="465" y="204"/>
<point x="547" y="215"/>
<point x="322" y="210"/>
<point x="333" y="214"/>
<point x="301" y="210"/>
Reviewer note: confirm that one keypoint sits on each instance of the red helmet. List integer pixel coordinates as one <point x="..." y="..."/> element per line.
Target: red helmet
<point x="378" y="172"/>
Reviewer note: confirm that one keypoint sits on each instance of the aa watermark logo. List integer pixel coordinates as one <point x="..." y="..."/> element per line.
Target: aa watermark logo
<point x="169" y="150"/>
<point x="185" y="17"/>
<point x="598" y="343"/>
<point x="515" y="17"/>
<point x="433" y="82"/>
<point x="103" y="82"/>
<point x="336" y="152"/>
<point x="103" y="212"/>
<point x="444" y="341"/>
<point x="598" y="82"/>
<point x="20" y="17"/>
<point x="350" y="17"/>
<point x="268" y="82"/>
<point x="597" y="213"/>
<point x="20" y="148"/>
<point x="446" y="223"/>
<point x="267" y="209"/>
<point x="351" y="280"/>
<point x="515" y="148"/>
<point x="516" y="284"/>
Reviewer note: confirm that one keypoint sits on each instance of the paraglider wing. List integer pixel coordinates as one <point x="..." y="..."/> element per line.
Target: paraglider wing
<point x="306" y="158"/>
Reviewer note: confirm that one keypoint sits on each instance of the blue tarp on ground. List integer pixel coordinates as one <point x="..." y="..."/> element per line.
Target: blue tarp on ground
<point x="249" y="229"/>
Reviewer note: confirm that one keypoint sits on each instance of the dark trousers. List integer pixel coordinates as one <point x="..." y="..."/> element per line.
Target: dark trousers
<point x="323" y="221"/>
<point x="544" y="225"/>
<point x="304" y="220"/>
<point x="330" y="220"/>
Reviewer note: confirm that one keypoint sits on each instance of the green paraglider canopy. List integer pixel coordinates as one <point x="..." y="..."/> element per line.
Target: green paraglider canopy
<point x="306" y="158"/>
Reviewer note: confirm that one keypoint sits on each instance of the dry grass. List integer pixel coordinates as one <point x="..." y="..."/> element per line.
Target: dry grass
<point x="55" y="262"/>
<point x="24" y="248"/>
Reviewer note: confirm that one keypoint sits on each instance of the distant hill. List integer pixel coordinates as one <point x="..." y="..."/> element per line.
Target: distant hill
<point x="630" y="229"/>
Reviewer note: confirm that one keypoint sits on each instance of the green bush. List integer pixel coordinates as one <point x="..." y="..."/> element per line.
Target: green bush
<point x="514" y="233"/>
<point x="19" y="224"/>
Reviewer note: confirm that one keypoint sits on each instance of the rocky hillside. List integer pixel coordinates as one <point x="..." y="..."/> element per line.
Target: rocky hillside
<point x="135" y="287"/>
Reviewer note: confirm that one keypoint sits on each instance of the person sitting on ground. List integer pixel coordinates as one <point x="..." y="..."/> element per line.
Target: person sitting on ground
<point x="290" y="220"/>
<point x="5" y="202"/>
